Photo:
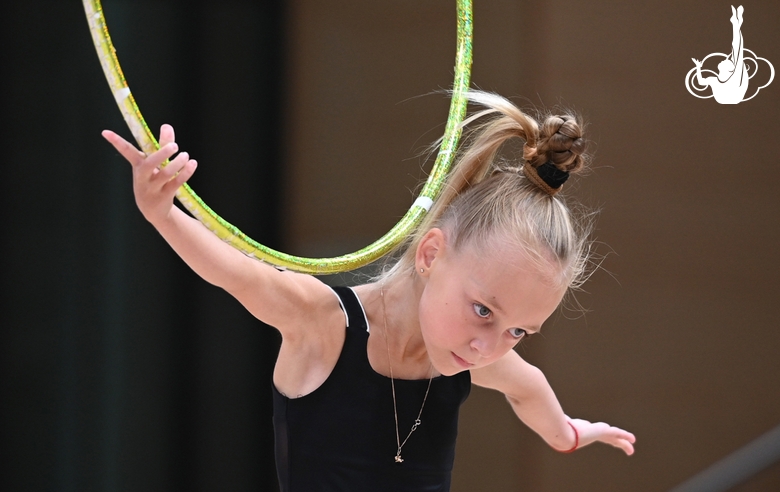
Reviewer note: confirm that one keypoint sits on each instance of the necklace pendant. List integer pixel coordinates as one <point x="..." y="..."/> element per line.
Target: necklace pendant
<point x="398" y="459"/>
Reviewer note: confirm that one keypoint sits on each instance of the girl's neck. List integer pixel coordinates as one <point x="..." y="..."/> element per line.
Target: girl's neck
<point x="396" y="317"/>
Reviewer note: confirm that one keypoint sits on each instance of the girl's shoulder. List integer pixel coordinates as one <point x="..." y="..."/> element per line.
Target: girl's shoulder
<point x="309" y="297"/>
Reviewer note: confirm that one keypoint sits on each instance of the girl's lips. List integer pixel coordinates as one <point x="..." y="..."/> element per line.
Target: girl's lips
<point x="461" y="362"/>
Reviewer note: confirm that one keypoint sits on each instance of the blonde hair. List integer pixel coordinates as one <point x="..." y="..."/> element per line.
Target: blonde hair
<point x="487" y="202"/>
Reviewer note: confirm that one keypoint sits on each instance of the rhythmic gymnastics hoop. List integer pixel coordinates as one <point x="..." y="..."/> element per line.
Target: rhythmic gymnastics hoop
<point x="231" y="234"/>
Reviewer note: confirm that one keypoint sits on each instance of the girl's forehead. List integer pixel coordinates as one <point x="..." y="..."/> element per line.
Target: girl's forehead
<point x="507" y="260"/>
<point x="512" y="281"/>
<point x="495" y="275"/>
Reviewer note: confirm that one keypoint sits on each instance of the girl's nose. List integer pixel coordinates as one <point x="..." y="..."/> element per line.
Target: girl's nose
<point x="485" y="344"/>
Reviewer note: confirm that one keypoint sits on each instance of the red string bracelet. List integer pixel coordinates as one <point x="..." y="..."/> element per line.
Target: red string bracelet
<point x="576" y="439"/>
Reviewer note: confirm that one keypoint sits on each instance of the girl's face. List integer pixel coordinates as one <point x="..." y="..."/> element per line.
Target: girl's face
<point x="475" y="308"/>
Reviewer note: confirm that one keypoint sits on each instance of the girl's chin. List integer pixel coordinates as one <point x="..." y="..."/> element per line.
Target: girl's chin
<point x="446" y="369"/>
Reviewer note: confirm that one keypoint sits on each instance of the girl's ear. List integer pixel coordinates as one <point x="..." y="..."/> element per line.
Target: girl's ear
<point x="430" y="246"/>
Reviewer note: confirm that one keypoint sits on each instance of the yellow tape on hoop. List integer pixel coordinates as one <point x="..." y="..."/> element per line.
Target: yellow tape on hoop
<point x="231" y="234"/>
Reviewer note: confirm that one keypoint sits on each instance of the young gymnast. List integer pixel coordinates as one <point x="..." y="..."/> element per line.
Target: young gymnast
<point x="369" y="380"/>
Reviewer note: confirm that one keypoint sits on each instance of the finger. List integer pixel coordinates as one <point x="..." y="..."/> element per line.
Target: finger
<point x="173" y="167"/>
<point x="128" y="150"/>
<point x="622" y="439"/>
<point x="167" y="135"/>
<point x="153" y="163"/>
<point x="185" y="174"/>
<point x="619" y="435"/>
<point x="626" y="446"/>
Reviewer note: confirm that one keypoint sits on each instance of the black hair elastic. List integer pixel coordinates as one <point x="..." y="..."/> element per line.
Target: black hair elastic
<point x="547" y="177"/>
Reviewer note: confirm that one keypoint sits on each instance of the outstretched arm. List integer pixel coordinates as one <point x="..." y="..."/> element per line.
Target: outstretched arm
<point x="272" y="296"/>
<point x="701" y="80"/>
<point x="534" y="402"/>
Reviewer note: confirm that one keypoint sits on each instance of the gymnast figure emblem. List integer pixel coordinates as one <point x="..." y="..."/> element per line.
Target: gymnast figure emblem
<point x="735" y="70"/>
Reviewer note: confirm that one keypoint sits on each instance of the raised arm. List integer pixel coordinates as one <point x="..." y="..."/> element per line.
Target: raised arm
<point x="274" y="297"/>
<point x="535" y="403"/>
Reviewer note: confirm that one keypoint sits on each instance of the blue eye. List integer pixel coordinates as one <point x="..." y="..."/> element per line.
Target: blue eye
<point x="518" y="333"/>
<point x="481" y="310"/>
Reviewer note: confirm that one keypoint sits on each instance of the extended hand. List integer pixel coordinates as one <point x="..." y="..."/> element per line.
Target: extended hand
<point x="154" y="186"/>
<point x="697" y="62"/>
<point x="600" y="432"/>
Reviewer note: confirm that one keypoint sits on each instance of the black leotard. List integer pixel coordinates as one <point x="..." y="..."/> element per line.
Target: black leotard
<point x="341" y="437"/>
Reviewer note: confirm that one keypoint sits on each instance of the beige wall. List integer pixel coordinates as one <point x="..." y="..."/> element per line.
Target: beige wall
<point x="681" y="341"/>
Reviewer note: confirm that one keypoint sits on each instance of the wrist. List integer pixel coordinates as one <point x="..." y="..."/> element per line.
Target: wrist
<point x="576" y="440"/>
<point x="163" y="221"/>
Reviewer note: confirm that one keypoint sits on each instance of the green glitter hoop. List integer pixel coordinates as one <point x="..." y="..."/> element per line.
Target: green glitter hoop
<point x="231" y="234"/>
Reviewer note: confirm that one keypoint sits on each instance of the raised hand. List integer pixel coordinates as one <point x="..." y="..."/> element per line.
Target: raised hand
<point x="154" y="186"/>
<point x="600" y="432"/>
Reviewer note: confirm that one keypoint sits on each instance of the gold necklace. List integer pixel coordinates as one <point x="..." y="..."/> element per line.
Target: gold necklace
<point x="417" y="421"/>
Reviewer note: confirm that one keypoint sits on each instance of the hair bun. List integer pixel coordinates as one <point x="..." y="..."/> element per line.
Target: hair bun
<point x="578" y="146"/>
<point x="561" y="142"/>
